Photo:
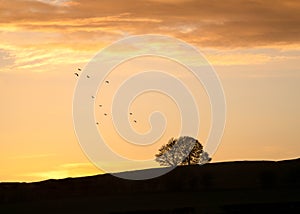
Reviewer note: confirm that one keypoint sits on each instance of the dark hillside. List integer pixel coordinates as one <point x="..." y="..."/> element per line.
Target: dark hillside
<point x="230" y="187"/>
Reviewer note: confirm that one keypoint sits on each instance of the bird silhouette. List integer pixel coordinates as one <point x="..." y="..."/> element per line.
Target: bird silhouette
<point x="93" y="97"/>
<point x="97" y="123"/>
<point x="105" y="114"/>
<point x="76" y="74"/>
<point x="130" y="113"/>
<point x="107" y="81"/>
<point x="79" y="69"/>
<point x="87" y="76"/>
<point x="134" y="121"/>
<point x="100" y="105"/>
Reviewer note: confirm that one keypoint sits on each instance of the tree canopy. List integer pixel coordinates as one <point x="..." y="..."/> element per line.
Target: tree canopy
<point x="182" y="151"/>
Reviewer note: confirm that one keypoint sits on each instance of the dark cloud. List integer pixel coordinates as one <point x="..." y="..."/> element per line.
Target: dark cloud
<point x="228" y="23"/>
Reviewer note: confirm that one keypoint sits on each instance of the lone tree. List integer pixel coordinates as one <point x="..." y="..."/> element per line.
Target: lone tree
<point x="182" y="151"/>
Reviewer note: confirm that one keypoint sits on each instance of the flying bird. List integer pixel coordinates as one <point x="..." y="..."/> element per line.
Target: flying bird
<point x="134" y="121"/>
<point x="97" y="123"/>
<point x="107" y="81"/>
<point x="76" y="74"/>
<point x="130" y="113"/>
<point x="93" y="97"/>
<point x="105" y="114"/>
<point x="100" y="105"/>
<point x="87" y="76"/>
<point x="79" y="69"/>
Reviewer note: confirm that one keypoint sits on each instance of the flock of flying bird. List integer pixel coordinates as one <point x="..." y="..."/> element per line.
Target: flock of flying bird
<point x="93" y="97"/>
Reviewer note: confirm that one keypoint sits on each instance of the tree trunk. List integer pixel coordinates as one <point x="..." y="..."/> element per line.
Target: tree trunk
<point x="189" y="159"/>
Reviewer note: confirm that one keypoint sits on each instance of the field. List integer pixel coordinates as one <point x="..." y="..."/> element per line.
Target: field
<point x="229" y="187"/>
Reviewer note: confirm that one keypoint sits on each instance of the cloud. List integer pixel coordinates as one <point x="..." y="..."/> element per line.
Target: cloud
<point x="5" y="58"/>
<point x="208" y="23"/>
<point x="252" y="56"/>
<point x="37" y="34"/>
<point x="244" y="59"/>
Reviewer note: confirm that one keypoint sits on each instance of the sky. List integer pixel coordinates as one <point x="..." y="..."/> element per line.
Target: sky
<point x="253" y="45"/>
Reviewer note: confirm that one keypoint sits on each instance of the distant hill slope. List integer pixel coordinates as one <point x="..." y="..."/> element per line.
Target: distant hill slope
<point x="230" y="187"/>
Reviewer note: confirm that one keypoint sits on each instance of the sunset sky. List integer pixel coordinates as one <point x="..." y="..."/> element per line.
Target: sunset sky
<point x="254" y="46"/>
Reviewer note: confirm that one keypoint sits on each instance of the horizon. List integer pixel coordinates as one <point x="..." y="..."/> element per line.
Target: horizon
<point x="141" y="170"/>
<point x="253" y="46"/>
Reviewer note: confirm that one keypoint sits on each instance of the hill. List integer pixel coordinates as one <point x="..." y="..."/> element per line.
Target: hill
<point x="229" y="187"/>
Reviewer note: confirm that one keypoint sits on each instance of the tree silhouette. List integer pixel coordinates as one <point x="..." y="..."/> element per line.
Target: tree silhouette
<point x="182" y="151"/>
<point x="166" y="156"/>
<point x="204" y="158"/>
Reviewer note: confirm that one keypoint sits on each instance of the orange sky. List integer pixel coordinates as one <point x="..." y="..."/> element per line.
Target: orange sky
<point x="253" y="45"/>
